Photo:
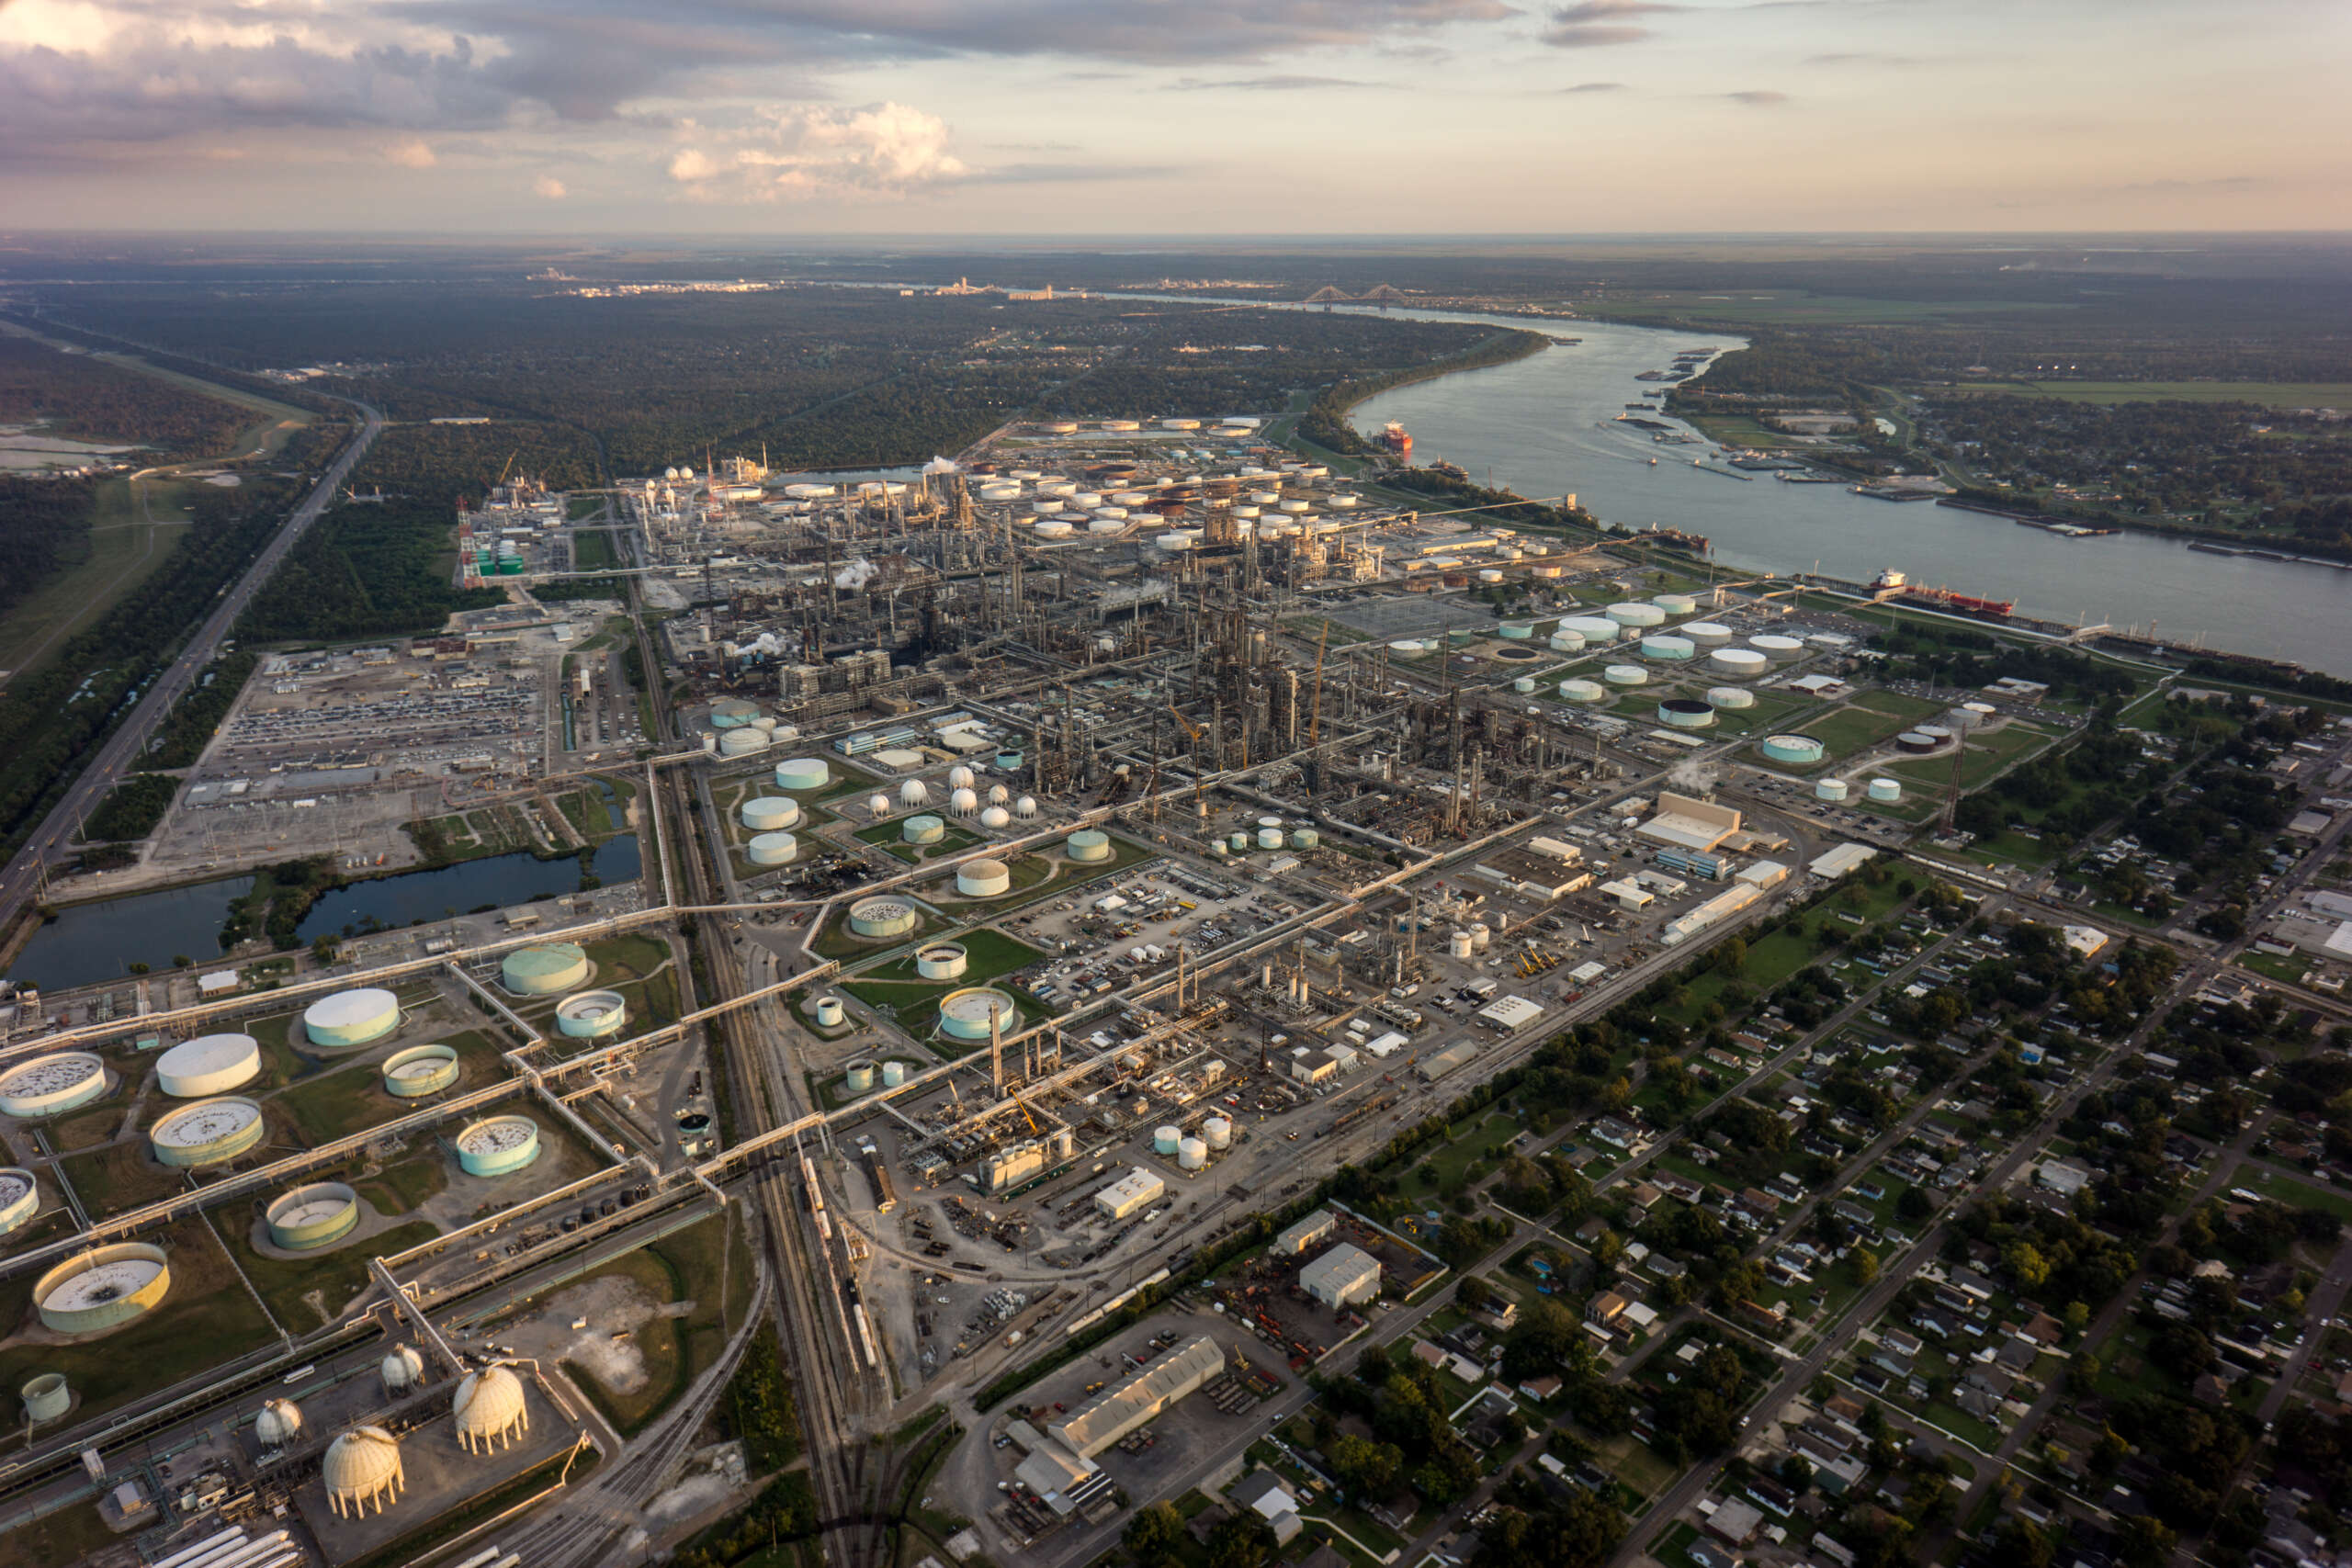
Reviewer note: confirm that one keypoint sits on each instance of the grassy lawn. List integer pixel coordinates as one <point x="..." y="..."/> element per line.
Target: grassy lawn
<point x="69" y="1535"/>
<point x="991" y="953"/>
<point x="309" y="1295"/>
<point x="2270" y="394"/>
<point x="134" y="528"/>
<point x="1988" y="752"/>
<point x="1467" y="1147"/>
<point x="2293" y="1193"/>
<point x="403" y="1188"/>
<point x="697" y="1264"/>
<point x="118" y="1177"/>
<point x="888" y="836"/>
<point x="1869" y="720"/>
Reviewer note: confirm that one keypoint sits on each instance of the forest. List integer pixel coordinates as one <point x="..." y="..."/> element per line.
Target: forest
<point x="83" y="399"/>
<point x="44" y="527"/>
<point x="364" y="570"/>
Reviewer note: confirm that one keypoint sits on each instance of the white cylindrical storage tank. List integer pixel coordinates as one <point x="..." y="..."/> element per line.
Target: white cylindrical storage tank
<point x="1269" y="838"/>
<point x="742" y="742"/>
<point x="878" y="806"/>
<point x="497" y="1145"/>
<point x="208" y="1065"/>
<point x="1489" y="574"/>
<point x="914" y="793"/>
<point x="420" y="1071"/>
<point x="207" y="1133"/>
<point x="1191" y="1154"/>
<point x="960" y="777"/>
<point x="803" y="772"/>
<point x="1830" y="789"/>
<point x="894" y="1073"/>
<point x="1026" y="808"/>
<point x="1778" y="650"/>
<point x="772" y="849"/>
<point x="1745" y="662"/>
<point x="1625" y="676"/>
<point x="1593" y="628"/>
<point x="352" y="1018"/>
<point x="765" y="725"/>
<point x="1798" y="749"/>
<point x="591" y="1015"/>
<point x="963" y="802"/>
<point x="1480" y="937"/>
<point x="100" y="1290"/>
<point x="1636" y="615"/>
<point x="943" y="961"/>
<point x="1978" y="713"/>
<point x="19" y="1198"/>
<point x="923" y="828"/>
<point x="732" y="712"/>
<point x="832" y="1014"/>
<point x="1885" y="791"/>
<point x="1460" y="945"/>
<point x="1676" y="604"/>
<point x="883" y="917"/>
<point x="1524" y="685"/>
<point x="1667" y="648"/>
<point x="490" y="1410"/>
<point x="1088" y="844"/>
<point x="1730" y="697"/>
<point x="545" y="969"/>
<point x="1566" y="641"/>
<point x="860" y="1078"/>
<point x="1706" y="634"/>
<point x="967" y="1014"/>
<point x="48" y="1085"/>
<point x="312" y="1215"/>
<point x="1685" y="713"/>
<point x="1053" y="527"/>
<point x="362" y="1469"/>
<point x="1582" y="691"/>
<point x="983" y="879"/>
<point x="996" y="817"/>
<point x="47" y="1396"/>
<point x="1218" y="1131"/>
<point x="1165" y="1140"/>
<point x="770" y="812"/>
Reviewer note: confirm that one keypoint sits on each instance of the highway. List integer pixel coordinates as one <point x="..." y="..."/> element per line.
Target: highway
<point x="52" y="841"/>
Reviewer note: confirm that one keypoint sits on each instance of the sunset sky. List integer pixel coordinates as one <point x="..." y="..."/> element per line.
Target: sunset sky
<point x="1174" y="117"/>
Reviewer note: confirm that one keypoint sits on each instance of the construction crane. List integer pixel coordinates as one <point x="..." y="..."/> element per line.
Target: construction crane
<point x="504" y="467"/>
<point x="1195" y="732"/>
<point x="1034" y="1130"/>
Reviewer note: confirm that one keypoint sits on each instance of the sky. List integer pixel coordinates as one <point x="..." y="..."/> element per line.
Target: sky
<point x="1199" y="118"/>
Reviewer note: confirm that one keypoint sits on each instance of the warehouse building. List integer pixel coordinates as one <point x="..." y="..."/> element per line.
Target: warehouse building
<point x="1688" y="823"/>
<point x="1448" y="1060"/>
<point x="1119" y="1410"/>
<point x="1318" y="1226"/>
<point x="1129" y="1194"/>
<point x="1344" y="1277"/>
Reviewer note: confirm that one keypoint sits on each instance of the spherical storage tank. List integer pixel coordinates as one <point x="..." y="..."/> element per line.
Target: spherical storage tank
<point x="882" y="917"/>
<point x="1830" y="789"/>
<point x="1706" y="634"/>
<point x="1793" y="748"/>
<point x="19" y="1198"/>
<point x="1582" y="691"/>
<point x="420" y="1071"/>
<point x="362" y="1467"/>
<point x="803" y="772"/>
<point x="1667" y="648"/>
<point x="983" y="879"/>
<point x="47" y="1396"/>
<point x="960" y="777"/>
<point x="742" y="742"/>
<point x="913" y="793"/>
<point x="352" y="1018"/>
<point x="1730" y="697"/>
<point x="772" y="849"/>
<point x="47" y="1085"/>
<point x="1777" y="648"/>
<point x="1593" y="628"/>
<point x="922" y="829"/>
<point x="996" y="816"/>
<point x="878" y="806"/>
<point x="208" y="1132"/>
<point x="591" y="1015"/>
<point x="279" y="1423"/>
<point x="312" y="1215"/>
<point x="1625" y="676"/>
<point x="544" y="970"/>
<point x="770" y="812"/>
<point x="1193" y="1154"/>
<point x="496" y="1145"/>
<point x="211" y="1064"/>
<point x="401" y="1368"/>
<point x="1630" y="614"/>
<point x="1164" y="1141"/>
<point x="1685" y="713"/>
<point x="943" y="961"/>
<point x="963" y="802"/>
<point x="102" y="1289"/>
<point x="965" y="1014"/>
<point x="490" y="1409"/>
<point x="1886" y="791"/>
<point x="1745" y="661"/>
<point x="1218" y="1130"/>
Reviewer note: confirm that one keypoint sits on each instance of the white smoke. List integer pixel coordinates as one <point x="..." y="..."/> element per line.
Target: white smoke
<point x="857" y="574"/>
<point x="1689" y="778"/>
<point x="942" y="466"/>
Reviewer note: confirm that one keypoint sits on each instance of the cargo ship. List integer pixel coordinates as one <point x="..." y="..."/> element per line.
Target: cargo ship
<point x="1397" y="439"/>
<point x="1893" y="585"/>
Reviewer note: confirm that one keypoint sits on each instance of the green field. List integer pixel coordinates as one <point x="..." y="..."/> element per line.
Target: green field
<point x="2270" y="394"/>
<point x="134" y="530"/>
<point x="990" y="952"/>
<point x="1986" y="754"/>
<point x="705" y="1264"/>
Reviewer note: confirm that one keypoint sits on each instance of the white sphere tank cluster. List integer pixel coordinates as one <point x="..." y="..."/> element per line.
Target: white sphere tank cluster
<point x="48" y="1085"/>
<point x="352" y="1018"/>
<point x="208" y="1065"/>
<point x="208" y="1132"/>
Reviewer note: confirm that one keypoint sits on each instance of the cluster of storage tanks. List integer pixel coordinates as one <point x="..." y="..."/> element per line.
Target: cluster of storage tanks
<point x="861" y="1076"/>
<point x="1710" y="642"/>
<point x="362" y="1470"/>
<point x="1190" y="1151"/>
<point x="1882" y="791"/>
<point x="1269" y="834"/>
<point x="1054" y="507"/>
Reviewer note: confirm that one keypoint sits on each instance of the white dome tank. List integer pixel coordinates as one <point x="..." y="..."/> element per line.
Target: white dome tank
<point x="996" y="816"/>
<point x="914" y="791"/>
<point x="490" y="1410"/>
<point x="279" y="1423"/>
<point x="401" y="1368"/>
<point x="362" y="1466"/>
<point x="878" y="805"/>
<point x="963" y="802"/>
<point x="1026" y="808"/>
<point x="959" y="777"/>
<point x="1000" y="795"/>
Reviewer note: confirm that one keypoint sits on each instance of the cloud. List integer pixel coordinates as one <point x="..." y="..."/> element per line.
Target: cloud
<point x="550" y="188"/>
<point x="413" y="152"/>
<point x="1073" y="173"/>
<point x="1593" y="87"/>
<point x="1595" y="23"/>
<point x="879" y="150"/>
<point x="1262" y="85"/>
<point x="2219" y="182"/>
<point x="1758" y="98"/>
<point x="1864" y="57"/>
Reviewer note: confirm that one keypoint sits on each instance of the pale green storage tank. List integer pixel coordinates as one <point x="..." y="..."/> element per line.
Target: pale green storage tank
<point x="1088" y="844"/>
<point x="546" y="969"/>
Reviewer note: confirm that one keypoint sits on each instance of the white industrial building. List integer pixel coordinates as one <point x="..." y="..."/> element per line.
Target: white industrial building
<point x="1841" y="860"/>
<point x="1510" y="1012"/>
<point x="1120" y="1409"/>
<point x="1318" y="1226"/>
<point x="1129" y="1193"/>
<point x="1344" y="1277"/>
<point x="1720" y="907"/>
<point x="1689" y="823"/>
<point x="1628" y="893"/>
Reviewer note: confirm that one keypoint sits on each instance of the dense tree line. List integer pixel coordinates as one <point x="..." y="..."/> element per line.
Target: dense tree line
<point x="44" y="527"/>
<point x="88" y="399"/>
<point x="364" y="570"/>
<point x="197" y="717"/>
<point x="760" y="1410"/>
<point x="132" y="808"/>
<point x="445" y="463"/>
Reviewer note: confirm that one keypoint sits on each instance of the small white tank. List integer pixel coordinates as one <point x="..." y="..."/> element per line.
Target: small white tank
<point x="1026" y="808"/>
<point x="959" y="777"/>
<point x="1458" y="944"/>
<point x="1193" y="1154"/>
<point x="996" y="816"/>
<point x="963" y="802"/>
<point x="878" y="805"/>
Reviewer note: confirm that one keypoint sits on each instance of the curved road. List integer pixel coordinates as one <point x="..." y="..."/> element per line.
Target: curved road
<point x="53" y="839"/>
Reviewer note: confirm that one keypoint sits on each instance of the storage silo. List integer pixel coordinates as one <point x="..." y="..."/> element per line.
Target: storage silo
<point x="401" y="1368"/>
<point x="1564" y="641"/>
<point x="922" y="829"/>
<point x="1164" y="1141"/>
<point x="1304" y="838"/>
<point x="420" y="1071"/>
<point x="207" y="1133"/>
<point x="943" y="961"/>
<point x="1524" y="685"/>
<point x="498" y="1146"/>
<point x="967" y="1014"/>
<point x="1026" y="807"/>
<point x="208" y="1065"/>
<point x="983" y="879"/>
<point x="49" y="1085"/>
<point x="894" y="1073"/>
<point x="914" y="793"/>
<point x="1238" y="840"/>
<point x="1218" y="1131"/>
<point x="831" y="1012"/>
<point x="772" y="849"/>
<point x="878" y="806"/>
<point x="732" y="712"/>
<point x="1191" y="1154"/>
<point x="803" y="773"/>
<point x="544" y="970"/>
<point x="770" y="812"/>
<point x="1593" y="628"/>
<point x="591" y="1015"/>
<point x="1458" y="944"/>
<point x="1000" y="795"/>
<point x="352" y="1018"/>
<point x="1675" y="605"/>
<point x="47" y="1397"/>
<point x="1269" y="838"/>
<point x="1706" y="634"/>
<point x="1832" y="790"/>
<point x="1886" y="792"/>
<point x="860" y="1078"/>
<point x="1917" y="742"/>
<point x="1481" y="937"/>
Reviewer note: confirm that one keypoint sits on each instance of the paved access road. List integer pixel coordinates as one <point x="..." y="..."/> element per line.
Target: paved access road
<point x="52" y="841"/>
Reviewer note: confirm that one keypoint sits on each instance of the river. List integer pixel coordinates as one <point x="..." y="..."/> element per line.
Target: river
<point x="90" y="942"/>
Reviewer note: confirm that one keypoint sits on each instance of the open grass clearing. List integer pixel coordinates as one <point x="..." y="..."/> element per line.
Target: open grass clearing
<point x="2293" y="1193"/>
<point x="2269" y="394"/>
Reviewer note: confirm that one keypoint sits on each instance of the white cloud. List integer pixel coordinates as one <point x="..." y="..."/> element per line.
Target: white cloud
<point x="882" y="149"/>
<point x="411" y="152"/>
<point x="550" y="188"/>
